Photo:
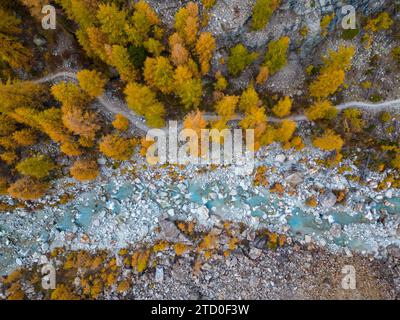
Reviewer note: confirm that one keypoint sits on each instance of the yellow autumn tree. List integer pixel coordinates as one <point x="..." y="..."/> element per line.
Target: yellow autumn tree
<point x="38" y="167"/>
<point x="322" y="109"/>
<point x="187" y="23"/>
<point x="188" y="88"/>
<point x="263" y="75"/>
<point x="382" y="22"/>
<point x="143" y="21"/>
<point x="25" y="137"/>
<point x="84" y="170"/>
<point x="262" y="12"/>
<point x="226" y="106"/>
<point x="116" y="147"/>
<point x="283" y="107"/>
<point x="329" y="141"/>
<point x="27" y="189"/>
<point x="21" y="94"/>
<point x="69" y="94"/>
<point x="112" y="23"/>
<point x="158" y="73"/>
<point x="179" y="54"/>
<point x="121" y="123"/>
<point x="239" y="59"/>
<point x="195" y="121"/>
<point x="92" y="82"/>
<point x="119" y="58"/>
<point x="85" y="123"/>
<point x="332" y="74"/>
<point x="12" y="51"/>
<point x="142" y="100"/>
<point x="327" y="84"/>
<point x="249" y="99"/>
<point x="221" y="83"/>
<point x="286" y="130"/>
<point x="276" y="56"/>
<point x="205" y="47"/>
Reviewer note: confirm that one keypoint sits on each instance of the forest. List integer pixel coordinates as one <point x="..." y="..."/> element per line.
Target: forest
<point x="162" y="73"/>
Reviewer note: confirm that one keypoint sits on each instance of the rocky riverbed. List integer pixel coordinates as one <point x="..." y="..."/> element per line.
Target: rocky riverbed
<point x="127" y="204"/>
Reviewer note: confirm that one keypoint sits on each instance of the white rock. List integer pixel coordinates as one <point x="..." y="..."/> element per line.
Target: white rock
<point x="280" y="158"/>
<point x="389" y="194"/>
<point x="203" y="213"/>
<point x="307" y="238"/>
<point x="159" y="277"/>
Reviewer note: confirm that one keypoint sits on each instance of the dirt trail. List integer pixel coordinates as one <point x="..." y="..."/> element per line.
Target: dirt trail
<point x="116" y="106"/>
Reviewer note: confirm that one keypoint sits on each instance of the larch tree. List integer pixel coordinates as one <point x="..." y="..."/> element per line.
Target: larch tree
<point x="158" y="73"/>
<point x="249" y="99"/>
<point x="120" y="59"/>
<point x="263" y="75"/>
<point x="143" y="21"/>
<point x="205" y="47"/>
<point x="116" y="147"/>
<point x="327" y="84"/>
<point x="239" y="59"/>
<point x="283" y="107"/>
<point x="179" y="54"/>
<point x="143" y="101"/>
<point x="92" y="82"/>
<point x="121" y="123"/>
<point x="112" y="23"/>
<point x="85" y="170"/>
<point x="95" y="43"/>
<point x="27" y="189"/>
<point x="332" y="74"/>
<point x="262" y="12"/>
<point x="329" y="141"/>
<point x="187" y="23"/>
<point x="195" y="121"/>
<point x="221" y="84"/>
<point x="12" y="51"/>
<point x="69" y="94"/>
<point x="38" y="167"/>
<point x="322" y="109"/>
<point x="188" y="88"/>
<point x="276" y="56"/>
<point x="226" y="107"/>
<point x="21" y="94"/>
<point x="286" y="130"/>
<point x="25" y="137"/>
